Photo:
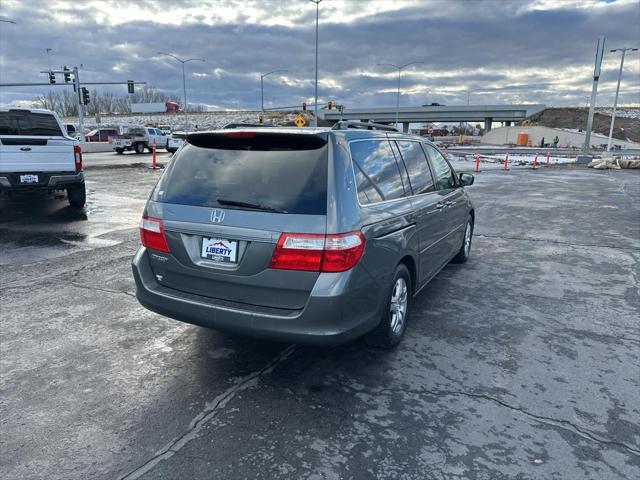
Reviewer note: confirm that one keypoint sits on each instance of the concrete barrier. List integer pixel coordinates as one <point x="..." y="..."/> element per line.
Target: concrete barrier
<point x="93" y="147"/>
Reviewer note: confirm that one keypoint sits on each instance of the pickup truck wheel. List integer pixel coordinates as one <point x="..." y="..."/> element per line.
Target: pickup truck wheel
<point x="77" y="196"/>
<point x="139" y="148"/>
<point x="119" y="151"/>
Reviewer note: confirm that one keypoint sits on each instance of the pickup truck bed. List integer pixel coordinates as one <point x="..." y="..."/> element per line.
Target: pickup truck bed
<point x="36" y="155"/>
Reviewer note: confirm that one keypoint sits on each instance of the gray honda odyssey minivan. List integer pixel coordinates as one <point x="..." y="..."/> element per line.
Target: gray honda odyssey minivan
<point x="313" y="236"/>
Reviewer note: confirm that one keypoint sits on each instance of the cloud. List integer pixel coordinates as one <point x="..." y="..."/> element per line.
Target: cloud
<point x="540" y="51"/>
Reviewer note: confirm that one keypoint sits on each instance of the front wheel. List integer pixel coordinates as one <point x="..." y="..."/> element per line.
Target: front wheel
<point x="77" y="196"/>
<point x="139" y="148"/>
<point x="463" y="254"/>
<point x="119" y="151"/>
<point x="393" y="323"/>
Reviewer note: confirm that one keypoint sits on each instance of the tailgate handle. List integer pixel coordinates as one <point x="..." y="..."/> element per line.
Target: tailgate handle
<point x="25" y="149"/>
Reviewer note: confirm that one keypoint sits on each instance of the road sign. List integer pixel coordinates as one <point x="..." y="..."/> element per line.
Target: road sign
<point x="300" y="121"/>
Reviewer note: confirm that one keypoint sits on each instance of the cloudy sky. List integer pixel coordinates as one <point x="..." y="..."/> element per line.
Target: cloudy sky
<point x="501" y="50"/>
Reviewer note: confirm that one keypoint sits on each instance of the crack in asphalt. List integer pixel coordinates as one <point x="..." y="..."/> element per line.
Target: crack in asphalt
<point x="558" y="242"/>
<point x="101" y="289"/>
<point x="560" y="423"/>
<point x="210" y="411"/>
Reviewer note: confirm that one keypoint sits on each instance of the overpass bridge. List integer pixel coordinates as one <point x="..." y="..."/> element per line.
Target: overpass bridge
<point x="456" y="113"/>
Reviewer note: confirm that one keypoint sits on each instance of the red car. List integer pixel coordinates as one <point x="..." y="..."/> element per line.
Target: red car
<point x="101" y="134"/>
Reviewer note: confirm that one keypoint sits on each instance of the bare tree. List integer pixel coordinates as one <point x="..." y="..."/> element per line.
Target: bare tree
<point x="65" y="102"/>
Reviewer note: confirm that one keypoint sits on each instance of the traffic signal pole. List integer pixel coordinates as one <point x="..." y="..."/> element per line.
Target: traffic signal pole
<point x="77" y="87"/>
<point x="76" y="83"/>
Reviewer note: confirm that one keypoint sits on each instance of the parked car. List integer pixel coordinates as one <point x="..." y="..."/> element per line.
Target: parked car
<point x="101" y="135"/>
<point x="139" y="138"/>
<point x="175" y="141"/>
<point x="301" y="235"/>
<point x="37" y="155"/>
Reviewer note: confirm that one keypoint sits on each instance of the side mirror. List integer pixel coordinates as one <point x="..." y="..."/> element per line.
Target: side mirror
<point x="466" y="179"/>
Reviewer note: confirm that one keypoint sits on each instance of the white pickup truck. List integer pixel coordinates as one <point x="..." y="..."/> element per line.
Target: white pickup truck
<point x="139" y="138"/>
<point x="37" y="155"/>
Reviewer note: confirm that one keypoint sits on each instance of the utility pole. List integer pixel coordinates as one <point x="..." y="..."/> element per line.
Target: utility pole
<point x="615" y="102"/>
<point x="315" y="95"/>
<point x="594" y="91"/>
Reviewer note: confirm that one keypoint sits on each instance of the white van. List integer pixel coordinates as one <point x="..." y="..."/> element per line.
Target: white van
<point x="37" y="155"/>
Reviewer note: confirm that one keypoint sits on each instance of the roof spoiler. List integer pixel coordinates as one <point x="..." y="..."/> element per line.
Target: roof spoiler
<point x="245" y="125"/>
<point x="260" y="140"/>
<point x="347" y="124"/>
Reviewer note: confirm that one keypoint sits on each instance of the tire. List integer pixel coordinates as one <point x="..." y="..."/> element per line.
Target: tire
<point x="77" y="196"/>
<point x="463" y="254"/>
<point x="391" y="328"/>
<point x="139" y="148"/>
<point x="119" y="151"/>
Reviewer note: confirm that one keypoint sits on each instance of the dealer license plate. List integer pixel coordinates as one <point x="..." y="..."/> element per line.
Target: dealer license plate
<point x="220" y="250"/>
<point x="28" y="178"/>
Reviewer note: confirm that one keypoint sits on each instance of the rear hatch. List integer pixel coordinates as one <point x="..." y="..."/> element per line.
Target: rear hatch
<point x="224" y="202"/>
<point x="34" y="142"/>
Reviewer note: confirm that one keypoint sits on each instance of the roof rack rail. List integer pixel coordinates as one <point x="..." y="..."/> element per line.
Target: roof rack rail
<point x="346" y="124"/>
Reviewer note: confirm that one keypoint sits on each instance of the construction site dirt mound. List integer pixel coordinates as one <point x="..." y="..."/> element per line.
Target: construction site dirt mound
<point x="576" y="118"/>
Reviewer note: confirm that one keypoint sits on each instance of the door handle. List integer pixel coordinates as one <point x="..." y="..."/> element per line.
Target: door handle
<point x="449" y="203"/>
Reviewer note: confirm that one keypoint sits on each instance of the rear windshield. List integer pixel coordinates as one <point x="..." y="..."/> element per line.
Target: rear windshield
<point x="289" y="181"/>
<point x="29" y="124"/>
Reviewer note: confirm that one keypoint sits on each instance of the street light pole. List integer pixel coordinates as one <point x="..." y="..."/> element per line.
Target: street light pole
<point x="594" y="90"/>
<point x="315" y="95"/>
<point x="615" y="102"/>
<point x="184" y="83"/>
<point x="400" y="68"/>
<point x="262" y="86"/>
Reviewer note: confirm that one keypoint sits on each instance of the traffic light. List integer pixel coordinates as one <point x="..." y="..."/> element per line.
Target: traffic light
<point x="130" y="86"/>
<point x="84" y="93"/>
<point x="304" y="106"/>
<point x="52" y="77"/>
<point x="67" y="74"/>
<point x="330" y="105"/>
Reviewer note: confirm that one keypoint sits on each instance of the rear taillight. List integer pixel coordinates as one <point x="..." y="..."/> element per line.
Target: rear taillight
<point x="152" y="234"/>
<point x="318" y="253"/>
<point x="77" y="156"/>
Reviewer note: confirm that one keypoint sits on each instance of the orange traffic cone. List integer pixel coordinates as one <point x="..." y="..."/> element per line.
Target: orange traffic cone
<point x="535" y="162"/>
<point x="506" y="161"/>
<point x="477" y="162"/>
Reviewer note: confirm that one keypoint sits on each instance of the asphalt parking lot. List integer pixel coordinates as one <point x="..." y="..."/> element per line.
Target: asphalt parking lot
<point x="523" y="363"/>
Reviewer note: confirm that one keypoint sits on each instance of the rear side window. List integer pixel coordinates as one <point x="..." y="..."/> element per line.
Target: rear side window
<point x="417" y="166"/>
<point x="29" y="124"/>
<point x="290" y="181"/>
<point x="377" y="173"/>
<point x="443" y="172"/>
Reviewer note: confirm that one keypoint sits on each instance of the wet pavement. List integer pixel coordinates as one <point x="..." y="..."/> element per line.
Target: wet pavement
<point x="522" y="363"/>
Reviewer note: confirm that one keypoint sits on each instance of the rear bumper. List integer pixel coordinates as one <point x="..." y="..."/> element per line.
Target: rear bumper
<point x="47" y="181"/>
<point x="335" y="313"/>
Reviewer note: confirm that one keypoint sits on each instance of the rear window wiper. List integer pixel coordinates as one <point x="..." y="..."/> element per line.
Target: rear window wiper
<point x="255" y="206"/>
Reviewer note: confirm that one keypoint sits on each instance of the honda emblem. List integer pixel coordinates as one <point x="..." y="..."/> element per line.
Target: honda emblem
<point x="217" y="216"/>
